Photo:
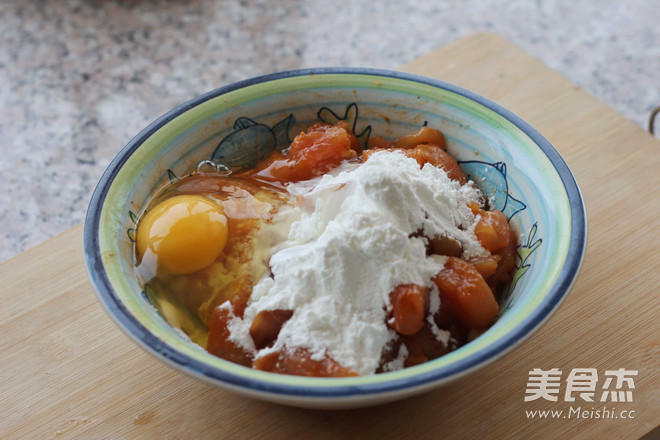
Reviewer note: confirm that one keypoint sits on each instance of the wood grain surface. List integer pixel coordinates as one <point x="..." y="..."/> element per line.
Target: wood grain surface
<point x="67" y="372"/>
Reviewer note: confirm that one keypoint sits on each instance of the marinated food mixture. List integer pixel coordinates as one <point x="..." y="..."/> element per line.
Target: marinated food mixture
<point x="326" y="260"/>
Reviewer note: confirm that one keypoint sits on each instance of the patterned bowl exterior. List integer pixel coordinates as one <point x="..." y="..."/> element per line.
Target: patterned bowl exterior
<point x="235" y="125"/>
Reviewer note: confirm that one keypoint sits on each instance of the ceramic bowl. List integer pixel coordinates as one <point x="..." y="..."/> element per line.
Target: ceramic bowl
<point x="514" y="165"/>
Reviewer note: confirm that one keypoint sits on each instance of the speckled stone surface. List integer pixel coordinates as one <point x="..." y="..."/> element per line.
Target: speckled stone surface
<point x="79" y="78"/>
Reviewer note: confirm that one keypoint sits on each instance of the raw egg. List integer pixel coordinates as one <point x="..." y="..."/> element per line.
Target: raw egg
<point x="182" y="234"/>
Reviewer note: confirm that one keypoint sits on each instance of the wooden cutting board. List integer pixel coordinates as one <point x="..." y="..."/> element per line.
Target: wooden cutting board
<point x="67" y="371"/>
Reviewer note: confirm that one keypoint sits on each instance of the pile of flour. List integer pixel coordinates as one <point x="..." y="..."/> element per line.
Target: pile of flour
<point x="361" y="233"/>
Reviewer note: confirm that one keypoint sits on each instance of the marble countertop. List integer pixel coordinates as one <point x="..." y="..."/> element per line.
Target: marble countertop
<point x="81" y="77"/>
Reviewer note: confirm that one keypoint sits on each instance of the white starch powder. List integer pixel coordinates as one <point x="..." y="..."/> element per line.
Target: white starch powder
<point x="357" y="238"/>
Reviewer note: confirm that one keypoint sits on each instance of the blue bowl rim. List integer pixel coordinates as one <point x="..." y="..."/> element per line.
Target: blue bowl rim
<point x="157" y="347"/>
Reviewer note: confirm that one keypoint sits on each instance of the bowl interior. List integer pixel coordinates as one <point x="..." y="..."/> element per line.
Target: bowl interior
<point x="236" y="124"/>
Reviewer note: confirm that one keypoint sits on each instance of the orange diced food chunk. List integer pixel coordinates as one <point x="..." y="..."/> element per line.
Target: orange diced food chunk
<point x="492" y="230"/>
<point x="425" y="135"/>
<point x="299" y="362"/>
<point x="322" y="128"/>
<point x="379" y="142"/>
<point x="316" y="152"/>
<point x="428" y="153"/>
<point x="436" y="156"/>
<point x="486" y="266"/>
<point x="408" y="307"/>
<point x="507" y="262"/>
<point x="424" y="346"/>
<point x="266" y="326"/>
<point x="468" y="294"/>
<point x="219" y="343"/>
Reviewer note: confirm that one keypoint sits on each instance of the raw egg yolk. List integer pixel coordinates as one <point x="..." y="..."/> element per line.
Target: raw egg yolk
<point x="183" y="234"/>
